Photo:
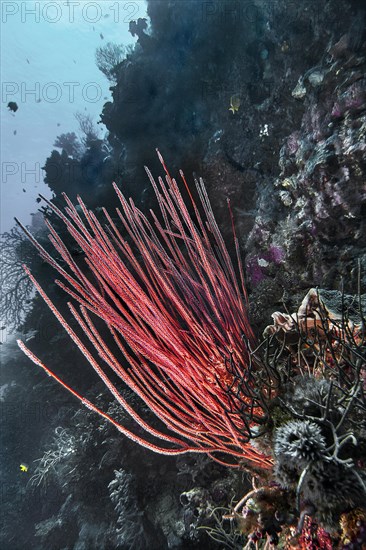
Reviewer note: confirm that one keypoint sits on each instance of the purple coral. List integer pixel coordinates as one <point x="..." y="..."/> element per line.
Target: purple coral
<point x="258" y="264"/>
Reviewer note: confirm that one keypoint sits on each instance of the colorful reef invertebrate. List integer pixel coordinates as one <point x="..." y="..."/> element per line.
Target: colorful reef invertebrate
<point x="316" y="429"/>
<point x="169" y="296"/>
<point x="291" y="409"/>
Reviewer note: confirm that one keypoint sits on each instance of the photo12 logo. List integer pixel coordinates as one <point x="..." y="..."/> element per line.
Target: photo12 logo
<point x="50" y="92"/>
<point x="70" y="11"/>
<point x="25" y="172"/>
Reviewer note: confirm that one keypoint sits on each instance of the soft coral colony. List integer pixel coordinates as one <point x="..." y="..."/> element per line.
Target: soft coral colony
<point x="290" y="410"/>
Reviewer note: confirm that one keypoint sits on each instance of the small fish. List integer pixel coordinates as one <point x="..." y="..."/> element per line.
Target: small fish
<point x="101" y="36"/>
<point x="234" y="104"/>
<point x="3" y="328"/>
<point x="28" y="61"/>
<point x="24" y="191"/>
<point x="15" y="132"/>
<point x="30" y="335"/>
<point x="12" y="106"/>
<point x="23" y="467"/>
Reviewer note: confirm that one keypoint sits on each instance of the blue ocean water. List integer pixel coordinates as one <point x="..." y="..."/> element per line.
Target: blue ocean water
<point x="48" y="68"/>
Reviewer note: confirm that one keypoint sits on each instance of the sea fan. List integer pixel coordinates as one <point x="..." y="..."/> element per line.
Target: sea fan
<point x="169" y="296"/>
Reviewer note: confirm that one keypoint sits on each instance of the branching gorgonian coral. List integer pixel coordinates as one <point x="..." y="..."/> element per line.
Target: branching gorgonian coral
<point x="16" y="288"/>
<point x="170" y="298"/>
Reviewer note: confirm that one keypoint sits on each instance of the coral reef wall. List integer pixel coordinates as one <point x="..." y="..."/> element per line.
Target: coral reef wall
<point x="310" y="220"/>
<point x="266" y="100"/>
<point x="290" y="155"/>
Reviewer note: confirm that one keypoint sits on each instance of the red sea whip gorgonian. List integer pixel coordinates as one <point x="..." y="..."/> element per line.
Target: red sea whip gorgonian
<point x="169" y="296"/>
